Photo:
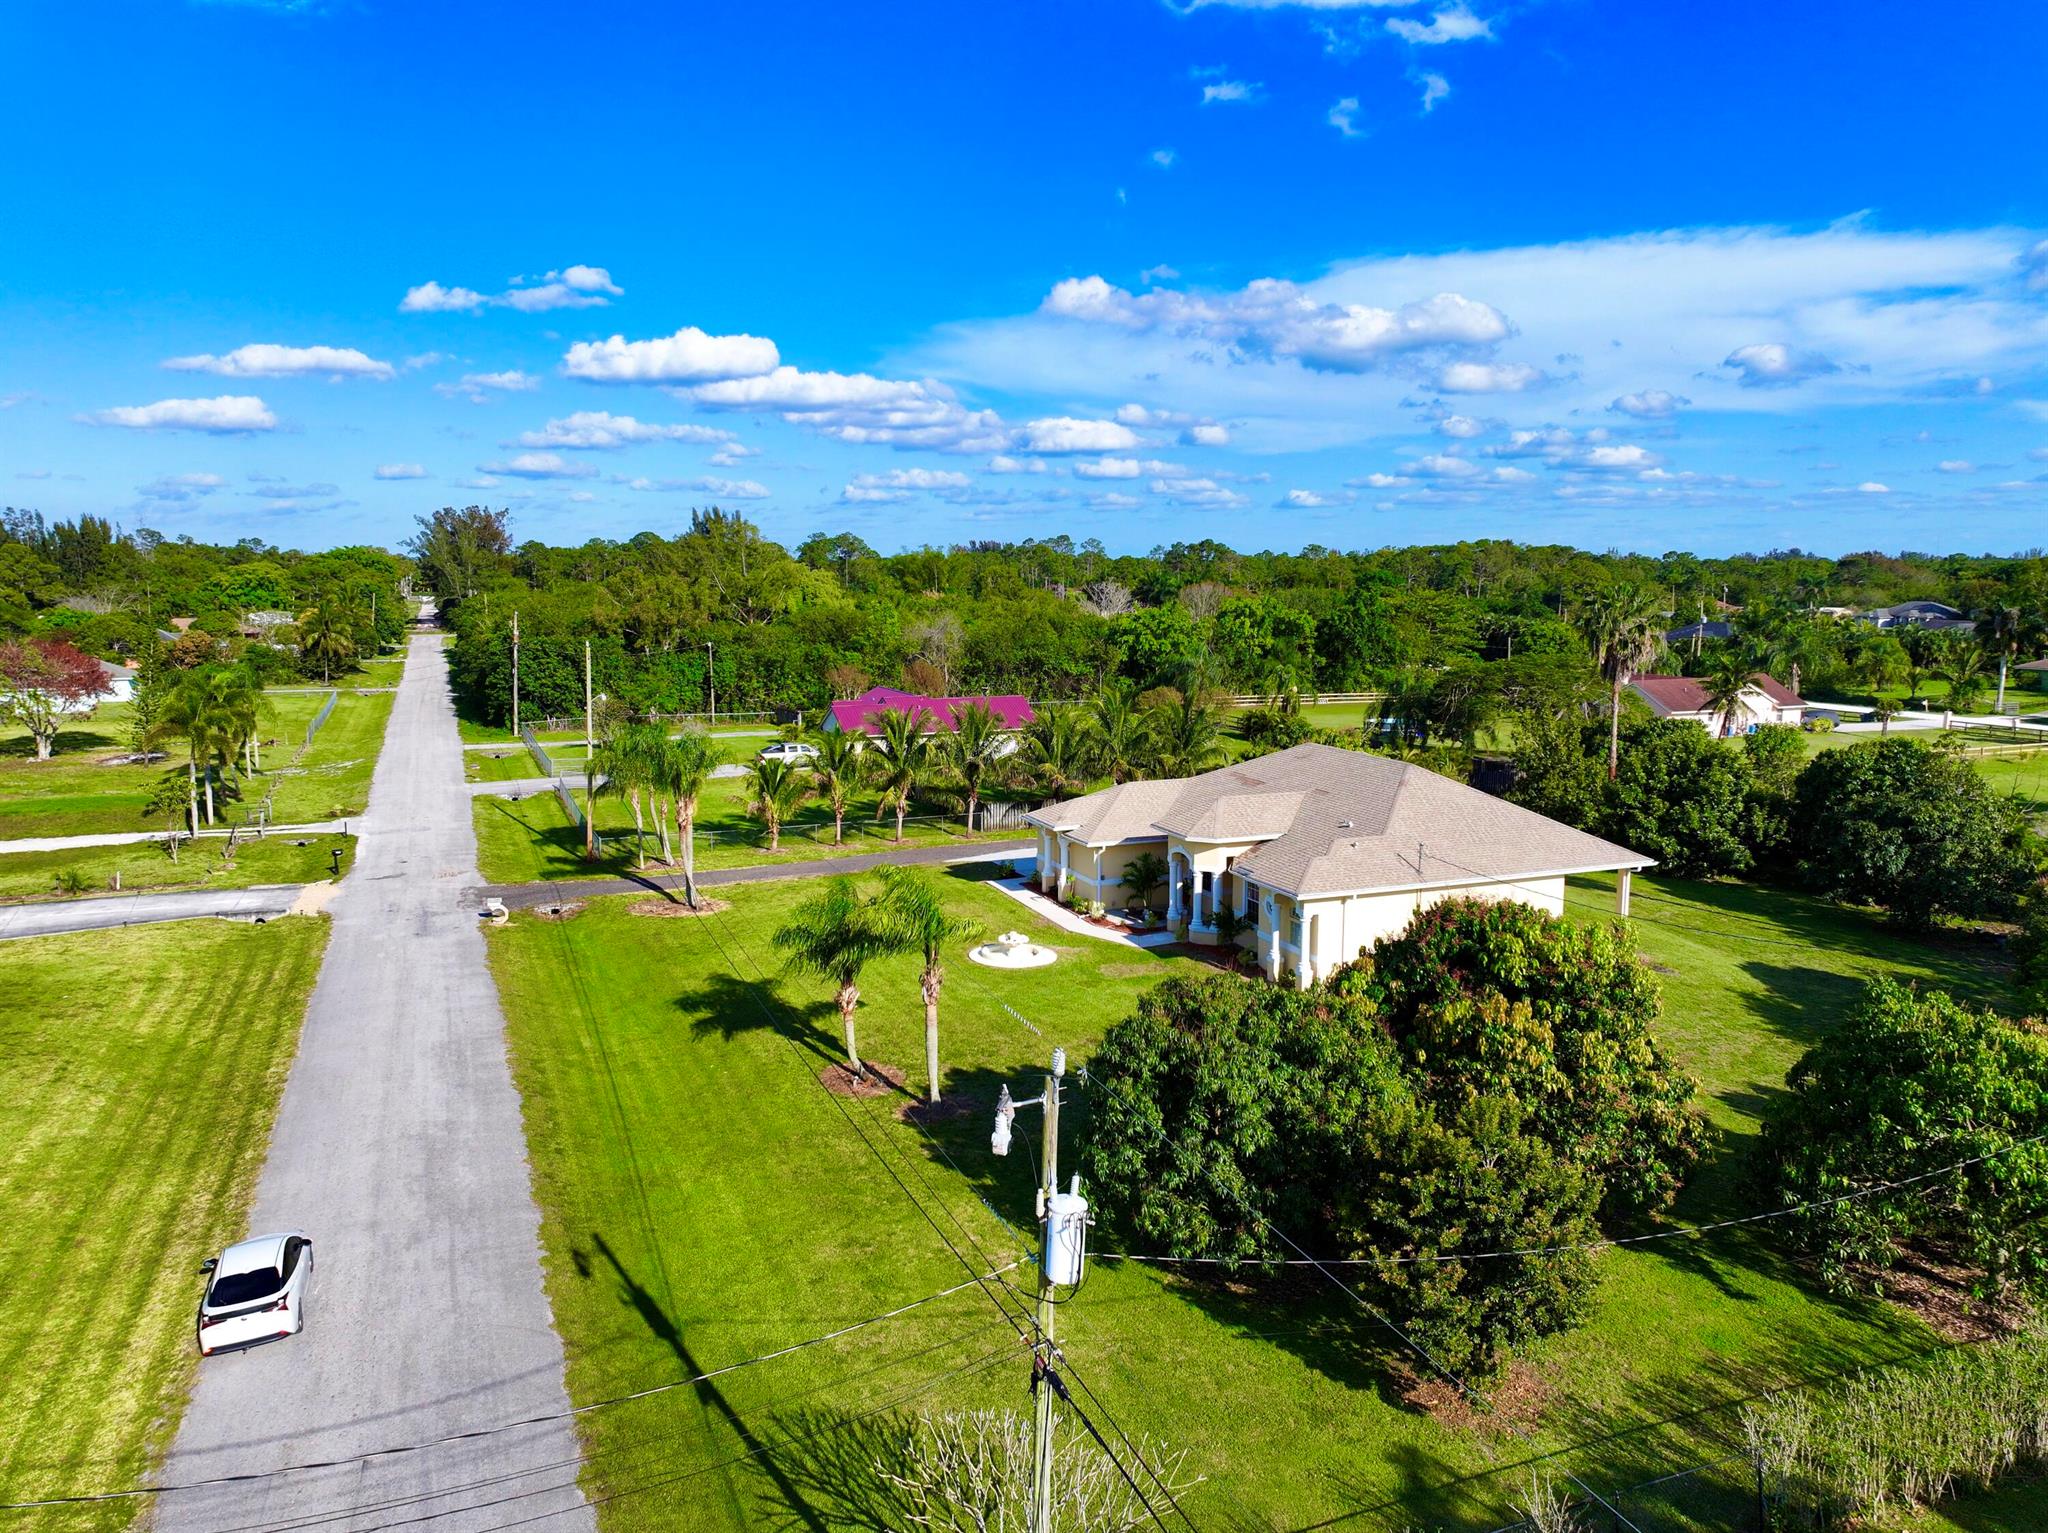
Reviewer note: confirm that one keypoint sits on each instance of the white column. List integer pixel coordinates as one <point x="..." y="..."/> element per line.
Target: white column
<point x="1621" y="892"/>
<point x="1173" y="861"/>
<point x="1098" y="877"/>
<point x="1066" y="871"/>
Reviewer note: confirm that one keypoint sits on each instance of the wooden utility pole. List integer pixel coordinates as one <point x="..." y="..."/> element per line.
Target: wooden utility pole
<point x="711" y="676"/>
<point x="589" y="765"/>
<point x="515" y="671"/>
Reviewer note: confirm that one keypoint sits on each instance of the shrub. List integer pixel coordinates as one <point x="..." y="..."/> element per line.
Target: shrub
<point x="1232" y="1101"/>
<point x="1555" y="773"/>
<point x="1475" y="1181"/>
<point x="2030" y="960"/>
<point x="1489" y="998"/>
<point x="1682" y="797"/>
<point x="1909" y="1083"/>
<point x="1775" y="756"/>
<point x="1911" y="829"/>
<point x="1274" y="728"/>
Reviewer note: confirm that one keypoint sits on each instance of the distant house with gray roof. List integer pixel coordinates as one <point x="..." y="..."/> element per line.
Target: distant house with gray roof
<point x="1315" y="853"/>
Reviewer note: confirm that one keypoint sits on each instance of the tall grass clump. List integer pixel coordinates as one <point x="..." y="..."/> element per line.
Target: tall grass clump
<point x="1892" y="1438"/>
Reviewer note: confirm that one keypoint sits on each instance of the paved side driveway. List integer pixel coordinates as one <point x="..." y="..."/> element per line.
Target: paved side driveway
<point x="399" y="1150"/>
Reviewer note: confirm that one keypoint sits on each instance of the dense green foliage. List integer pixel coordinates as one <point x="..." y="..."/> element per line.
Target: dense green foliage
<point x="1484" y="1085"/>
<point x="1908" y="1083"/>
<point x="1497" y="998"/>
<point x="1682" y="797"/>
<point x="1912" y="829"/>
<point x="2030" y="960"/>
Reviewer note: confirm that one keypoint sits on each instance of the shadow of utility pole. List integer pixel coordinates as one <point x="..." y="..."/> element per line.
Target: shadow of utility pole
<point x="709" y="1394"/>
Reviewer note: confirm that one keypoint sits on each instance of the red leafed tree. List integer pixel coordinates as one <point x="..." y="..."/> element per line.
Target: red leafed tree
<point x="45" y="684"/>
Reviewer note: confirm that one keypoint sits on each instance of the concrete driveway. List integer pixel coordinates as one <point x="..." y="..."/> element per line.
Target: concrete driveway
<point x="399" y="1150"/>
<point x="48" y="917"/>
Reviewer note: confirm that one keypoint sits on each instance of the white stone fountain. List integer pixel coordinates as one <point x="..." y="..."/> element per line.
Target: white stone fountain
<point x="1012" y="950"/>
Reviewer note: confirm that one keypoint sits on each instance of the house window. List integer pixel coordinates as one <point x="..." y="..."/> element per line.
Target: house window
<point x="1251" y="901"/>
<point x="1294" y="925"/>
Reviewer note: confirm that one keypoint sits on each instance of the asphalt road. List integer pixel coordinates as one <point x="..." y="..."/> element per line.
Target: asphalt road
<point x="399" y="1150"/>
<point x="48" y="917"/>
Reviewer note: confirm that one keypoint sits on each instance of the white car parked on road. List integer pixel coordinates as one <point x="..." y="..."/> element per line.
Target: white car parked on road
<point x="255" y="1292"/>
<point x="792" y="751"/>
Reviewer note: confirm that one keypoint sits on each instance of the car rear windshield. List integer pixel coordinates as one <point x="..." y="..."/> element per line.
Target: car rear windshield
<point x="245" y="1287"/>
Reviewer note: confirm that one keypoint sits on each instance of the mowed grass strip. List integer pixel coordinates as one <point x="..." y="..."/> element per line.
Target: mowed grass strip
<point x="147" y="867"/>
<point x="674" y="1134"/>
<point x="143" y="1071"/>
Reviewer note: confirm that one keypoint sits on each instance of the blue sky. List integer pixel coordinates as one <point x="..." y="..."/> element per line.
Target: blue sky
<point x="1621" y="275"/>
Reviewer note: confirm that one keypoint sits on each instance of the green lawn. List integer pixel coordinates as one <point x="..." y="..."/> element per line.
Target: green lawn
<point x="143" y="1072"/>
<point x="333" y="781"/>
<point x="534" y="839"/>
<point x="275" y="859"/>
<point x="76" y="793"/>
<point x="704" y="1200"/>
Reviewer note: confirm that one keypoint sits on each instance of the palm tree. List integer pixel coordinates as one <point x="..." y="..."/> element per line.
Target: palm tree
<point x="1056" y="744"/>
<point x="907" y="751"/>
<point x="2005" y="630"/>
<point x="1731" y="671"/>
<point x="1142" y="874"/>
<point x="327" y="633"/>
<point x="1118" y="733"/>
<point x="1623" y="627"/>
<point x="835" y="772"/>
<point x="774" y="789"/>
<point x="835" y="935"/>
<point x="629" y="762"/>
<point x="1961" y="662"/>
<point x="179" y="716"/>
<point x="1923" y="657"/>
<point x="684" y="767"/>
<point x="1187" y="738"/>
<point x="917" y="920"/>
<point x="976" y="744"/>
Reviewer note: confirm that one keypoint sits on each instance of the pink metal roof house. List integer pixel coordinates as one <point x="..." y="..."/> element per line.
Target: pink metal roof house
<point x="860" y="713"/>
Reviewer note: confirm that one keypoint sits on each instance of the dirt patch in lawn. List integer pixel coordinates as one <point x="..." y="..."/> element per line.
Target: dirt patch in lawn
<point x="1129" y="970"/>
<point x="1940" y="1295"/>
<point x="664" y="909"/>
<point x="878" y="1081"/>
<point x="558" y="910"/>
<point x="1510" y="1407"/>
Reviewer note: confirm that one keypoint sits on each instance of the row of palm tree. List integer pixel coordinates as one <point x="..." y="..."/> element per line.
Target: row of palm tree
<point x="645" y="765"/>
<point x="1111" y="735"/>
<point x="215" y="710"/>
<point x="841" y="930"/>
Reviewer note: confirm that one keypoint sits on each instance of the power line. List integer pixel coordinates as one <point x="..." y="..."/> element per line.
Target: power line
<point x="477" y="1433"/>
<point x="1675" y="1233"/>
<point x="1058" y="1386"/>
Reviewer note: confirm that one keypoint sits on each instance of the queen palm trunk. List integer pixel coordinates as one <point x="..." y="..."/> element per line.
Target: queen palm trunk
<point x="774" y="829"/>
<point x="639" y="831"/>
<point x="209" y="792"/>
<point x="849" y="997"/>
<point x="686" y="820"/>
<point x="902" y="803"/>
<point x="192" y="789"/>
<point x="931" y="979"/>
<point x="1614" y="731"/>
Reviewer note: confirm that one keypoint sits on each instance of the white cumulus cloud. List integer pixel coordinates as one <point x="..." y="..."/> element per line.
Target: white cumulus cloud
<point x="1772" y="364"/>
<point x="265" y="360"/>
<point x="1434" y="88"/>
<point x="1650" y="404"/>
<point x="1344" y="117"/>
<point x="538" y="465"/>
<point x="400" y="471"/>
<point x="599" y="429"/>
<point x="225" y="415"/>
<point x="573" y="287"/>
<point x="1227" y="92"/>
<point x="1487" y="377"/>
<point x="690" y="356"/>
<point x="1065" y="433"/>
<point x="1453" y="24"/>
<point x="476" y="387"/>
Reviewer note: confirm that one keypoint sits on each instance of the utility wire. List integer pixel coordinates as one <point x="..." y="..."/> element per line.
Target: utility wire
<point x="924" y="1387"/>
<point x="1675" y="1233"/>
<point x="476" y="1433"/>
<point x="1059" y="1387"/>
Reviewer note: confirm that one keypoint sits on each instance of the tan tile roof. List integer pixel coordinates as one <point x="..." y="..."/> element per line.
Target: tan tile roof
<point x="1331" y="821"/>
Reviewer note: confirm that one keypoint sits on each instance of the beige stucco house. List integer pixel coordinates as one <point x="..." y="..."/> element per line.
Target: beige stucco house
<point x="1314" y="853"/>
